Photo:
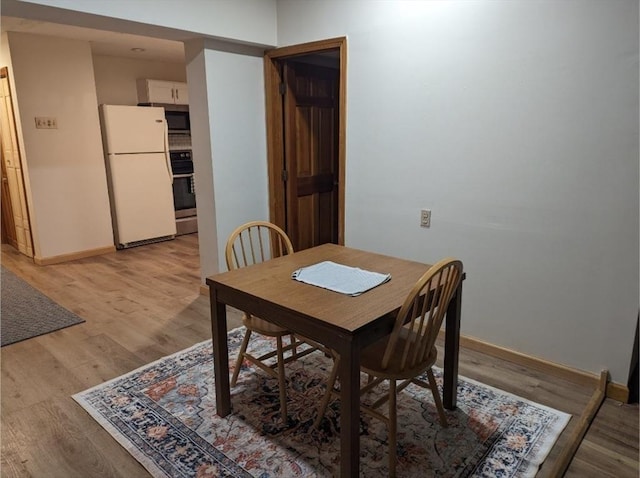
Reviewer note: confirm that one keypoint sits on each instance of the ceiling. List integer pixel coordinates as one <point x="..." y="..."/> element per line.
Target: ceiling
<point x="102" y="42"/>
<point x="128" y="45"/>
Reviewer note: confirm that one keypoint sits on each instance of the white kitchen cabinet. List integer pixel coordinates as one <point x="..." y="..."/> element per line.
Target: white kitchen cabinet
<point x="160" y="91"/>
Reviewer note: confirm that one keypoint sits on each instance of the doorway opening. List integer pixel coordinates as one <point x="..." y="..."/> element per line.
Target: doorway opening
<point x="306" y="133"/>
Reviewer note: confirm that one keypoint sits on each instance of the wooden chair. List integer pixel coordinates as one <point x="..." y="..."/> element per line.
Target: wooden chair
<point x="408" y="351"/>
<point x="249" y="244"/>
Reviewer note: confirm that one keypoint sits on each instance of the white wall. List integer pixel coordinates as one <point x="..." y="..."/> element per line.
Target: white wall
<point x="116" y="77"/>
<point x="517" y="124"/>
<point x="235" y="86"/>
<point x="201" y="132"/>
<point x="68" y="198"/>
<point x="229" y="146"/>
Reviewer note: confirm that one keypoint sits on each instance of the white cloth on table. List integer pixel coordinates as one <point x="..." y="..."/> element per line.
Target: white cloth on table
<point x="340" y="278"/>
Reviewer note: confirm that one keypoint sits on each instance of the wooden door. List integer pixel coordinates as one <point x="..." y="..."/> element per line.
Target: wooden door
<point x="305" y="88"/>
<point x="311" y="153"/>
<point x="8" y="226"/>
<point x="13" y="167"/>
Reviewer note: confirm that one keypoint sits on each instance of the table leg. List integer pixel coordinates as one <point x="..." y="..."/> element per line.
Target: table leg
<point x="350" y="412"/>
<point x="451" y="349"/>
<point x="220" y="354"/>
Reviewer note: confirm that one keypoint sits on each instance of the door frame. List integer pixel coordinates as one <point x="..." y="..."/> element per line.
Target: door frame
<point x="29" y="249"/>
<point x="8" y="225"/>
<point x="275" y="118"/>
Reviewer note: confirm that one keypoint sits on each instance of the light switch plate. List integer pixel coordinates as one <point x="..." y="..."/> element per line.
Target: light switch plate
<point x="425" y="218"/>
<point x="46" y="122"/>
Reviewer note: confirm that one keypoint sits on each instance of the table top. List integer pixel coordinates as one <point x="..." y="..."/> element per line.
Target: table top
<point x="271" y="282"/>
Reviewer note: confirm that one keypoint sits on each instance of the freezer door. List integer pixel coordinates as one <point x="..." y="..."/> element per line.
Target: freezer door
<point x="141" y="197"/>
<point x="133" y="129"/>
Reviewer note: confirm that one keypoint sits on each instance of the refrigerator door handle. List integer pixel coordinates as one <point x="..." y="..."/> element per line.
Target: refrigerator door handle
<point x="166" y="152"/>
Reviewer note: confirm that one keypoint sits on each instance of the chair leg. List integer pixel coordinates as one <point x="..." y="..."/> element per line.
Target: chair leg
<point x="243" y="349"/>
<point x="322" y="408"/>
<point x="281" y="381"/>
<point x="393" y="424"/>
<point x="294" y="349"/>
<point x="436" y="398"/>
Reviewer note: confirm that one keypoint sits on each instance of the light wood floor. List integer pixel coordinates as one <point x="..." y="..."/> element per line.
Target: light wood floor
<point x="144" y="303"/>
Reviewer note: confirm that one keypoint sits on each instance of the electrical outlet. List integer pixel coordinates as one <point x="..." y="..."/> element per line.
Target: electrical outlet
<point x="425" y="218"/>
<point x="46" y="122"/>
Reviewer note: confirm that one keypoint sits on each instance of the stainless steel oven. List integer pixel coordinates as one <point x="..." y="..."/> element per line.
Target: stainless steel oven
<point x="184" y="194"/>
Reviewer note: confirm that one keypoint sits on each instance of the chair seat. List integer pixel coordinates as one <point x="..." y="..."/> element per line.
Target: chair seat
<point x="263" y="327"/>
<point x="371" y="358"/>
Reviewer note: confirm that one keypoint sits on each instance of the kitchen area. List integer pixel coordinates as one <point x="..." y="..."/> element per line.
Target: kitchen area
<point x="68" y="190"/>
<point x="173" y="96"/>
<point x="148" y="159"/>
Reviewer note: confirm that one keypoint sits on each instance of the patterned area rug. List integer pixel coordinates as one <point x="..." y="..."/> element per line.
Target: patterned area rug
<point x="164" y="415"/>
<point x="25" y="312"/>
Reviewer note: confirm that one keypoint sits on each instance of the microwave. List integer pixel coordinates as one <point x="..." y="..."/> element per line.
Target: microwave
<point x="177" y="121"/>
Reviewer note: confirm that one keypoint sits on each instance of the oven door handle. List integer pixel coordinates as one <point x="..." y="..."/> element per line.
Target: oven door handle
<point x="167" y="154"/>
<point x="178" y="176"/>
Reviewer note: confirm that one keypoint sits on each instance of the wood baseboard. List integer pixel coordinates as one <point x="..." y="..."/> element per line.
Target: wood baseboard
<point x="615" y="391"/>
<point x="204" y="289"/>
<point x="45" y="261"/>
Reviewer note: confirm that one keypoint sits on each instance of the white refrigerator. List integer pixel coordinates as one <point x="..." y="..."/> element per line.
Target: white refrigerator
<point x="138" y="173"/>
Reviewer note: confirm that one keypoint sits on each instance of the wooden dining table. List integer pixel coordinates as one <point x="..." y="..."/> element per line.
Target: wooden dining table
<point x="341" y="322"/>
